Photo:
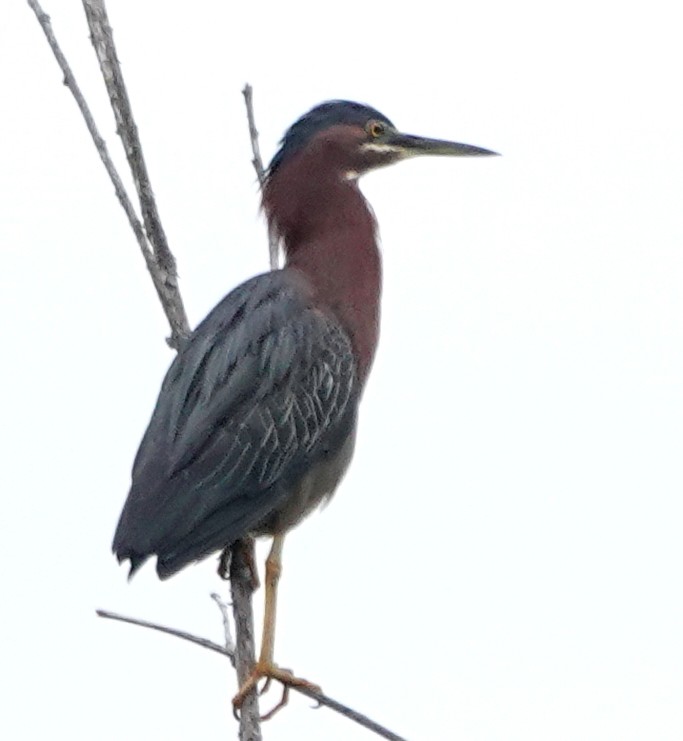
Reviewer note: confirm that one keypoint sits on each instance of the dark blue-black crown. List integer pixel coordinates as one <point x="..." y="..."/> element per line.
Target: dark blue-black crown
<point x="323" y="116"/>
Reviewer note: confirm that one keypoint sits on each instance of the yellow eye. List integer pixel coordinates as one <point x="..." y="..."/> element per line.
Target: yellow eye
<point x="375" y="129"/>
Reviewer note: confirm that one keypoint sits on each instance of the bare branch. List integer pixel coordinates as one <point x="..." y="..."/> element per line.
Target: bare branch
<point x="168" y="294"/>
<point x="257" y="162"/>
<point x="100" y="144"/>
<point x="241" y="586"/>
<point x="165" y="272"/>
<point x="349" y="713"/>
<point x="319" y="697"/>
<point x="224" y="607"/>
<point x="205" y="643"/>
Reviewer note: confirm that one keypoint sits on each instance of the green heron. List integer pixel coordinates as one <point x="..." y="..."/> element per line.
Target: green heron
<point x="255" y="423"/>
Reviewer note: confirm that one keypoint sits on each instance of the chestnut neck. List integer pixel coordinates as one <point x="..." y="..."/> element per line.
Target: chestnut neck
<point x="330" y="236"/>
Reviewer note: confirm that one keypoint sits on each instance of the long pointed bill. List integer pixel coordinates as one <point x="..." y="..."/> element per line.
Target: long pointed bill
<point x="413" y="146"/>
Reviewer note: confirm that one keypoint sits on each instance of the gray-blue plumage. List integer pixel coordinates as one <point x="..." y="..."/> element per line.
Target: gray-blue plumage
<point x="264" y="395"/>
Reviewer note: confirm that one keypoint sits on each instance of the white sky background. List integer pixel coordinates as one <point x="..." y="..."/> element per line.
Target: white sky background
<point x="503" y="560"/>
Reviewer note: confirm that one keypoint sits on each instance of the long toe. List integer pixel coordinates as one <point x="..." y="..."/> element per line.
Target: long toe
<point x="270" y="672"/>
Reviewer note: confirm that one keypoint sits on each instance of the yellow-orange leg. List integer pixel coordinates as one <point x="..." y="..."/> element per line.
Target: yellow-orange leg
<point x="265" y="668"/>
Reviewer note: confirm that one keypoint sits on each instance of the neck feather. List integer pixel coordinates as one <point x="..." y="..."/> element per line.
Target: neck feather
<point x="330" y="235"/>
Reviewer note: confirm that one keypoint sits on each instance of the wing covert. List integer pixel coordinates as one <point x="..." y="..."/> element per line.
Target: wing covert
<point x="265" y="387"/>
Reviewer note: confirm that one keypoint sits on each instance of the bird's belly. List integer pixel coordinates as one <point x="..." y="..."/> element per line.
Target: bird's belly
<point x="316" y="486"/>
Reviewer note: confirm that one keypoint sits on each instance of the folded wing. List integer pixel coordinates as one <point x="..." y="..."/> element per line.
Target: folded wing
<point x="265" y="389"/>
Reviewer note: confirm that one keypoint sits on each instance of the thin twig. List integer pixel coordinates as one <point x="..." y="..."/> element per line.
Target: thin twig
<point x="100" y="144"/>
<point x="224" y="607"/>
<point x="166" y="273"/>
<point x="318" y="697"/>
<point x="257" y="162"/>
<point x="204" y="642"/>
<point x="349" y="713"/>
<point x="170" y="299"/>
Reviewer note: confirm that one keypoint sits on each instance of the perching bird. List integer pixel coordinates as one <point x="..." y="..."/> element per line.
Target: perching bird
<point x="256" y="419"/>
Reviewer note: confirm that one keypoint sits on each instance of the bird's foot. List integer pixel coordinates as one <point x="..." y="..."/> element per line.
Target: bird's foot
<point x="248" y="553"/>
<point x="270" y="672"/>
